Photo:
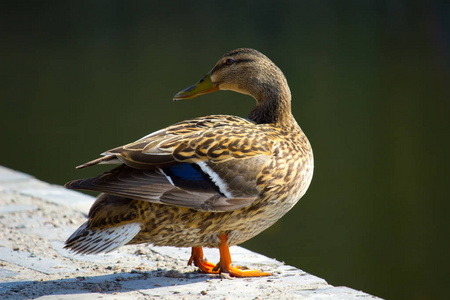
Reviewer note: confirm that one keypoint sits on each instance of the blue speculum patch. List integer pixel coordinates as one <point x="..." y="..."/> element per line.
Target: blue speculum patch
<point x="191" y="177"/>
<point x="186" y="172"/>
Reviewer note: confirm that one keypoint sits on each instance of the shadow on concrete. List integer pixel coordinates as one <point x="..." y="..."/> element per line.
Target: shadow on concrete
<point x="152" y="282"/>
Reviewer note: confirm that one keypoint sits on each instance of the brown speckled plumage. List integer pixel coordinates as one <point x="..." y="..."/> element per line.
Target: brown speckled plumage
<point x="209" y="180"/>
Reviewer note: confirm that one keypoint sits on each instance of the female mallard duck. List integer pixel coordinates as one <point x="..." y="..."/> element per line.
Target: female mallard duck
<point x="213" y="181"/>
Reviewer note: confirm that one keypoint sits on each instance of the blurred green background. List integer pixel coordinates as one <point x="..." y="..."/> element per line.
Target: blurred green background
<point x="370" y="83"/>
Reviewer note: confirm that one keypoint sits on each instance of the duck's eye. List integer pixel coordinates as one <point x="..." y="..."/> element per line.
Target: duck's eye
<point x="229" y="61"/>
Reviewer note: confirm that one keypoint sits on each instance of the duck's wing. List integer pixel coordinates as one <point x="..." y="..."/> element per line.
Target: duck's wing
<point x="210" y="163"/>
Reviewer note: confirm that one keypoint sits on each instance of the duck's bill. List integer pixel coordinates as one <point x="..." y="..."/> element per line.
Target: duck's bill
<point x="204" y="86"/>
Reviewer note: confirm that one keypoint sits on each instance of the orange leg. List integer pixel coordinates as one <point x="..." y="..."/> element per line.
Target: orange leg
<point x="224" y="266"/>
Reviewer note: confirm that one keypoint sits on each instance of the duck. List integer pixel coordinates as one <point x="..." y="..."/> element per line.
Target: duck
<point x="213" y="181"/>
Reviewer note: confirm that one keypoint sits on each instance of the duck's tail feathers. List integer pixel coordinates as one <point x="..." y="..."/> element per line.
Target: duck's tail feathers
<point x="101" y="240"/>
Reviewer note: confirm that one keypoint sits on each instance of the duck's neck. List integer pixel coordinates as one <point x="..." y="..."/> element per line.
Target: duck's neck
<point x="273" y="105"/>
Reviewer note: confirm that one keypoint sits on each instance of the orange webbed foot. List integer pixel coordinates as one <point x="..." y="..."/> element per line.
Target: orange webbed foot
<point x="225" y="262"/>
<point x="224" y="266"/>
<point x="203" y="265"/>
<point x="239" y="272"/>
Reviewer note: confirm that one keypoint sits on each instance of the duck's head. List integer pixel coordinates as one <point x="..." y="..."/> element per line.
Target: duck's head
<point x="250" y="72"/>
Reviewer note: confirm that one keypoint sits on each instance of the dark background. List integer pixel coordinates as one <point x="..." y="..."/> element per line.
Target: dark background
<point x="370" y="84"/>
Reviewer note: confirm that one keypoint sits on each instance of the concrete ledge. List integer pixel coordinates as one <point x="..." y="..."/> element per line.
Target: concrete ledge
<point x="36" y="218"/>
